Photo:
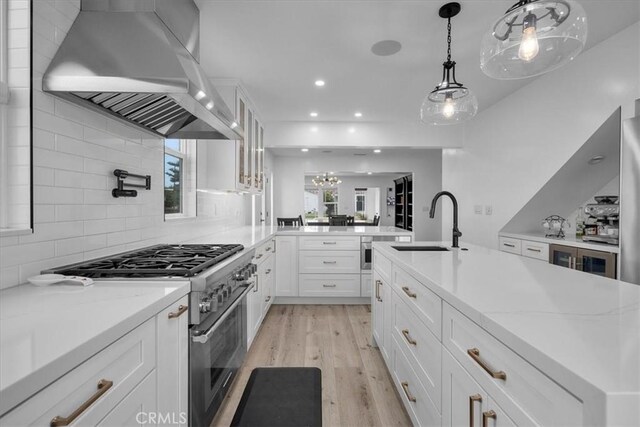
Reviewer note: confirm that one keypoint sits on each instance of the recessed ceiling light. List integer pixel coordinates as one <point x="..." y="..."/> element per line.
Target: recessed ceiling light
<point x="304" y="150"/>
<point x="331" y="173"/>
<point x="358" y="114"/>
<point x="313" y="114"/>
<point x="377" y="150"/>
<point x="200" y="95"/>
<point x="319" y="83"/>
<point x="369" y="173"/>
<point x="314" y="129"/>
<point x="352" y="130"/>
<point x="209" y="105"/>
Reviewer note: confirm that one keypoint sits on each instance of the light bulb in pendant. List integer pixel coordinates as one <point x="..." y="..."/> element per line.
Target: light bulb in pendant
<point x="529" y="46"/>
<point x="449" y="108"/>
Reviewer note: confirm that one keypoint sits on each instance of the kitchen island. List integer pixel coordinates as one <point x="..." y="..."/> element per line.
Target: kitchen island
<point x="531" y="342"/>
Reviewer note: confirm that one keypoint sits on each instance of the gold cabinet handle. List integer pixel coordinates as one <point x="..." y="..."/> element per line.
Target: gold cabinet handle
<point x="267" y="271"/>
<point x="258" y="256"/>
<point x="491" y="414"/>
<point x="534" y="250"/>
<point x="181" y="309"/>
<point x="405" y="387"/>
<point x="378" y="284"/>
<point x="329" y="262"/>
<point x="408" y="292"/>
<point x="328" y="286"/>
<point x="255" y="289"/>
<point x="268" y="299"/>
<point x="509" y="245"/>
<point x="329" y="243"/>
<point x="475" y="355"/>
<point x="410" y="340"/>
<point x="268" y="249"/>
<point x="472" y="400"/>
<point x="103" y="386"/>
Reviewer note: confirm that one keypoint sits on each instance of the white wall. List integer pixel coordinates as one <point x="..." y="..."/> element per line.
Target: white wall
<point x="426" y="166"/>
<point x="514" y="147"/>
<point x="75" y="153"/>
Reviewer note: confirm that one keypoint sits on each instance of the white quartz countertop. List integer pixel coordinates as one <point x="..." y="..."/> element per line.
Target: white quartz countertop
<point x="567" y="241"/>
<point x="47" y="331"/>
<point x="582" y="330"/>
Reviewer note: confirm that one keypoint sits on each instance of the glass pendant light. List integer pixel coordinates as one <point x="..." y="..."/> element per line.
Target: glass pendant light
<point x="450" y="102"/>
<point x="532" y="38"/>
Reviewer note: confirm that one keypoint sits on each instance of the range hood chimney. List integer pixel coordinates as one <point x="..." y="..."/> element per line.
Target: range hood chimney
<point x="137" y="60"/>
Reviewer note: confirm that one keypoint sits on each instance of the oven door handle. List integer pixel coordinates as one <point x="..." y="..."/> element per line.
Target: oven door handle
<point x="204" y="337"/>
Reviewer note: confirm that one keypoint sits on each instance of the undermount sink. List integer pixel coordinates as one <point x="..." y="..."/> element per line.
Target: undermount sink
<point x="419" y="248"/>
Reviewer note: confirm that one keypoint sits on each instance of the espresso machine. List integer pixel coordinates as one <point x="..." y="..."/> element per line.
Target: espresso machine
<point x="603" y="223"/>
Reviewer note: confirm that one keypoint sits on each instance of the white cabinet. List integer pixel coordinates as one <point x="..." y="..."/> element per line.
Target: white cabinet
<point x="366" y="284"/>
<point x="535" y="250"/>
<point x="381" y="312"/>
<point x="139" y="408"/>
<point x="267" y="274"/>
<point x="329" y="285"/>
<point x="261" y="297"/>
<point x="143" y="371"/>
<point x="329" y="262"/>
<point x="172" y="325"/>
<point x="507" y="244"/>
<point x="286" y="283"/>
<point x="254" y="310"/>
<point x="330" y="243"/>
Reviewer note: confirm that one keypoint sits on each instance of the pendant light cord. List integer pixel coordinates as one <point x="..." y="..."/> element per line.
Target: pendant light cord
<point x="449" y="40"/>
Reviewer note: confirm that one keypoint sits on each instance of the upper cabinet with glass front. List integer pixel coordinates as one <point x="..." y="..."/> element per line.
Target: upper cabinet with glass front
<point x="216" y="170"/>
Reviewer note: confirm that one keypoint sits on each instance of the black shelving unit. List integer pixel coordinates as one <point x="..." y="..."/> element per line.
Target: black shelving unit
<point x="404" y="202"/>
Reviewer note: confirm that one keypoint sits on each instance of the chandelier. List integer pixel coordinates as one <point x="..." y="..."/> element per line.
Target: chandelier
<point x="450" y="102"/>
<point x="533" y="37"/>
<point x="325" y="181"/>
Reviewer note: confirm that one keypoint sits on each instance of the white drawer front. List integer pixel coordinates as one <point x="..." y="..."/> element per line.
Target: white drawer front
<point x="414" y="396"/>
<point x="382" y="265"/>
<point x="125" y="362"/>
<point x="426" y="304"/>
<point x="513" y="246"/>
<point x="535" y="250"/>
<point x="325" y="262"/>
<point x="329" y="285"/>
<point x="542" y="399"/>
<point x="366" y="285"/>
<point x="264" y="250"/>
<point x="139" y="406"/>
<point x="330" y="243"/>
<point x="420" y="346"/>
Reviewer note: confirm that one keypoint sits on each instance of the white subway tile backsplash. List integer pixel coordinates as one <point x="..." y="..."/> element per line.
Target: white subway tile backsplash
<point x="75" y="151"/>
<point x="18" y="18"/>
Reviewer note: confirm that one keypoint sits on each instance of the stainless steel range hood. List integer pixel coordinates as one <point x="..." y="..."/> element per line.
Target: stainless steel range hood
<point x="137" y="60"/>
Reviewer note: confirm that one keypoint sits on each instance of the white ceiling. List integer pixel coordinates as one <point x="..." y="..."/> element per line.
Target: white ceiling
<point x="279" y="48"/>
<point x="340" y="152"/>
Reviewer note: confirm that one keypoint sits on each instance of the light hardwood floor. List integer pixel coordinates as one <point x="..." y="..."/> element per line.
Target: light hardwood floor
<point x="357" y="390"/>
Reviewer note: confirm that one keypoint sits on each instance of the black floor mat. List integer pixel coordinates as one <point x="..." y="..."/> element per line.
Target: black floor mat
<point x="281" y="397"/>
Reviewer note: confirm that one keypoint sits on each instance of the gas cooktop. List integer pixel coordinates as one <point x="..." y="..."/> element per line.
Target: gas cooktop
<point x="154" y="261"/>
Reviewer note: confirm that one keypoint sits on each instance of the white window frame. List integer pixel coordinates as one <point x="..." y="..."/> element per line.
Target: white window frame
<point x="187" y="202"/>
<point x="4" y="52"/>
<point x="363" y="193"/>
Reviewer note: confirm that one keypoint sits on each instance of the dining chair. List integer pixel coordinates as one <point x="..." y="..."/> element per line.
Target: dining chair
<point x="339" y="220"/>
<point x="376" y="220"/>
<point x="351" y="220"/>
<point x="291" y="222"/>
<point x="300" y="221"/>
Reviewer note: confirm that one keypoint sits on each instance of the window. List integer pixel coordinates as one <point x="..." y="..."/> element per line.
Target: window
<point x="320" y="203"/>
<point x="179" y="178"/>
<point x="360" y="203"/>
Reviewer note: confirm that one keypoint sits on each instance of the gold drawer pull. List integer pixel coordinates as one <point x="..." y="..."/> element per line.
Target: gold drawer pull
<point x="405" y="387"/>
<point x="267" y="271"/>
<point x="475" y="355"/>
<point x="329" y="262"/>
<point x="378" y="284"/>
<point x="509" y="245"/>
<point x="103" y="386"/>
<point x="487" y="415"/>
<point x="472" y="400"/>
<point x="181" y="309"/>
<point x="408" y="292"/>
<point x="410" y="340"/>
<point x="534" y="250"/>
<point x="258" y="256"/>
<point x="268" y="249"/>
<point x="329" y="243"/>
<point x="328" y="286"/>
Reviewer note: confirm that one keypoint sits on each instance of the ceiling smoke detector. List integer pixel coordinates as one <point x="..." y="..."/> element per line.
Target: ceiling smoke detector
<point x="386" y="47"/>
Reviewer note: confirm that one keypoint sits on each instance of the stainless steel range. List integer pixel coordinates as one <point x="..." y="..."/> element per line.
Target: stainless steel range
<point x="220" y="276"/>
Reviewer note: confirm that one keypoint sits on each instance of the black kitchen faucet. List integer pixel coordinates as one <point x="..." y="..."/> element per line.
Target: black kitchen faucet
<point x="432" y="214"/>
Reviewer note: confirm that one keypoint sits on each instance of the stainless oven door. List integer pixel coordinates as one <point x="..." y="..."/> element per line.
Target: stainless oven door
<point x="214" y="359"/>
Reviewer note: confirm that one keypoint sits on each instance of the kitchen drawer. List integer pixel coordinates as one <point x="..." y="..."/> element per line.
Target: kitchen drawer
<point x="421" y="347"/>
<point x="324" y="262"/>
<point x="329" y="243"/>
<point x="126" y="363"/>
<point x="413" y="394"/>
<point x="329" y="285"/>
<point x="264" y="250"/>
<point x="510" y="245"/>
<point x="424" y="303"/>
<point x="535" y="250"/>
<point x="525" y="387"/>
<point x="138" y="405"/>
<point x="382" y="265"/>
<point x="366" y="285"/>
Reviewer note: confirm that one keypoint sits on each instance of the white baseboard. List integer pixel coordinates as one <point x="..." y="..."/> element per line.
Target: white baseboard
<point x="323" y="300"/>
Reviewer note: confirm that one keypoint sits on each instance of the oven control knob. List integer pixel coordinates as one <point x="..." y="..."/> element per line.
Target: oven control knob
<point x="205" y="305"/>
<point x="239" y="276"/>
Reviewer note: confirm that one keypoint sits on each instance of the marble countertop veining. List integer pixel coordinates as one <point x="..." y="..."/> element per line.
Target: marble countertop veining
<point x="582" y="330"/>
<point x="47" y="331"/>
